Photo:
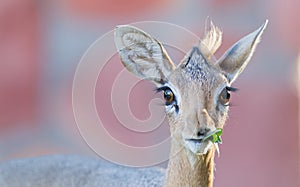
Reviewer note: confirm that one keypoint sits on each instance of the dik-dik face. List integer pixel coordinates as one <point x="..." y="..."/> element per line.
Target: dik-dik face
<point x="197" y="96"/>
<point x="197" y="91"/>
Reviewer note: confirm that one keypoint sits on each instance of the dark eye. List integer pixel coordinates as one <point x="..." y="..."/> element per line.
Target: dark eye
<point x="224" y="97"/>
<point x="169" y="96"/>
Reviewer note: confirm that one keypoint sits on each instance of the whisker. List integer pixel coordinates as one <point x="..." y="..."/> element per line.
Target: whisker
<point x="232" y="105"/>
<point x="161" y="104"/>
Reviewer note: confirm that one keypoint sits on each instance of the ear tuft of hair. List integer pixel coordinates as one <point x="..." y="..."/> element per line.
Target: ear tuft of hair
<point x="211" y="41"/>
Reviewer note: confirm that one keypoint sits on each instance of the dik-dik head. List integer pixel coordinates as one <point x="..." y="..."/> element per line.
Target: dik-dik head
<point x="197" y="91"/>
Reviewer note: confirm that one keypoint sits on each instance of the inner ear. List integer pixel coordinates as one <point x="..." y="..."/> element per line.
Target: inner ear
<point x="235" y="59"/>
<point x="142" y="54"/>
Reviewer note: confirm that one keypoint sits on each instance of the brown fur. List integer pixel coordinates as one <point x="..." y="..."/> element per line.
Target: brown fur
<point x="181" y="173"/>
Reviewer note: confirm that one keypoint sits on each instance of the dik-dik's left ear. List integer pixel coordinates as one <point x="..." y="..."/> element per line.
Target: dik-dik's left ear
<point x="142" y="55"/>
<point x="237" y="57"/>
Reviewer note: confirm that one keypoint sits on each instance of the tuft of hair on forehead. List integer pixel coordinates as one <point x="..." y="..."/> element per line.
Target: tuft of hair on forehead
<point x="211" y="41"/>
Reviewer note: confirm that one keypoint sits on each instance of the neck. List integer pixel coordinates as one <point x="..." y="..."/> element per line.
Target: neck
<point x="188" y="169"/>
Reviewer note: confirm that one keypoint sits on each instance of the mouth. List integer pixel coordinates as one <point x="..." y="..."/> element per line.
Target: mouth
<point x="198" y="146"/>
<point x="201" y="145"/>
<point x="195" y="140"/>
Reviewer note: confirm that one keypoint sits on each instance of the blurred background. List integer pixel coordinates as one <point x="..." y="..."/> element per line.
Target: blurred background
<point x="41" y="43"/>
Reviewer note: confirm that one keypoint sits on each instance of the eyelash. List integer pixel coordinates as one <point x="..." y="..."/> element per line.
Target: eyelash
<point x="231" y="89"/>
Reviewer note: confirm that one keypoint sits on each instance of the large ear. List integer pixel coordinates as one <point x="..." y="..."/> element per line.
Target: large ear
<point x="142" y="55"/>
<point x="237" y="57"/>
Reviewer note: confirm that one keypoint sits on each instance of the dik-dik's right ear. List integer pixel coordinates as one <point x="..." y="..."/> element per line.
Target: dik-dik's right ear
<point x="235" y="59"/>
<point x="142" y="55"/>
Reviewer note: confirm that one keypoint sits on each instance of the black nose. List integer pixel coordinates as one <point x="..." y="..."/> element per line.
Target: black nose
<point x="203" y="131"/>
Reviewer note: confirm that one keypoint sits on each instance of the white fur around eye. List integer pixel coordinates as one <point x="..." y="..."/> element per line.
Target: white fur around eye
<point x="170" y="108"/>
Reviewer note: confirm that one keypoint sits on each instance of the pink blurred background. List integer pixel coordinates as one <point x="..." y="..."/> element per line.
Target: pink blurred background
<point x="43" y="41"/>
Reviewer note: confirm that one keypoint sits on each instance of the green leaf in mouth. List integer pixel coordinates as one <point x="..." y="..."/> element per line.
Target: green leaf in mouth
<point x="214" y="136"/>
